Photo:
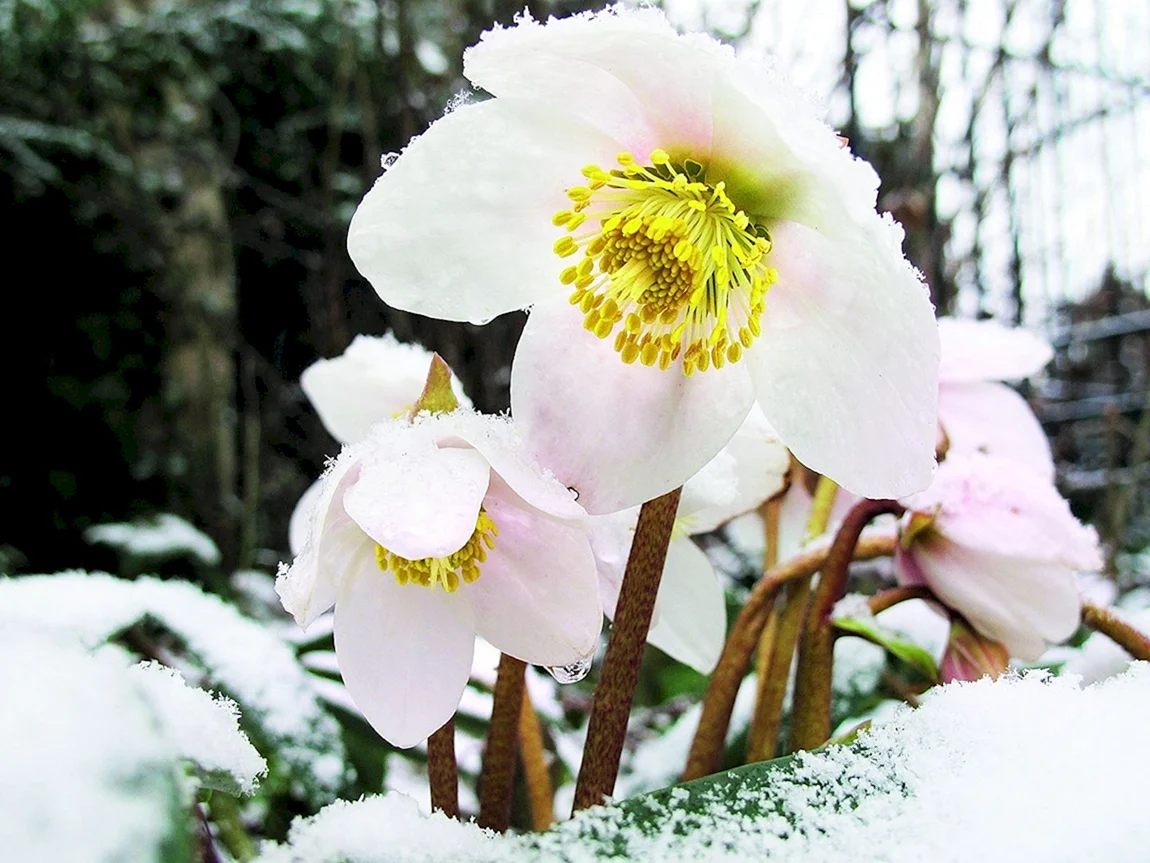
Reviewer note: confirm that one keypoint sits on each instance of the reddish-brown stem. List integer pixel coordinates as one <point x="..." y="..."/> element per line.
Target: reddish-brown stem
<point x="615" y="692"/>
<point x="1117" y="630"/>
<point x="540" y="793"/>
<point x="707" y="748"/>
<point x="498" y="778"/>
<point x="885" y="599"/>
<point x="811" y="714"/>
<point x="442" y="772"/>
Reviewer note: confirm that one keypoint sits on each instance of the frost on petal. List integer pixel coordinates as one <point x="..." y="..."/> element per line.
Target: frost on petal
<point x="459" y="227"/>
<point x="424" y="504"/>
<point x="404" y="653"/>
<point x="993" y="419"/>
<point x="988" y="351"/>
<point x="847" y="366"/>
<point x="619" y="434"/>
<point x="537" y="597"/>
<point x="691" y="613"/>
<point x="627" y="72"/>
<point x="299" y="525"/>
<point x="375" y="379"/>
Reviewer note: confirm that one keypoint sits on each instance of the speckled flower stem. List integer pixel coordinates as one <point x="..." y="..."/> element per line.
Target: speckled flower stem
<point x="498" y="778"/>
<point x="811" y="714"/>
<point x="885" y="599"/>
<point x="707" y="748"/>
<point x="1119" y="631"/>
<point x="540" y="793"/>
<point x="615" y="692"/>
<point x="442" y="772"/>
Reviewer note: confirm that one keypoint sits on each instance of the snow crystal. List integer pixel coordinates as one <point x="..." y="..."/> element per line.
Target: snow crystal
<point x="238" y="655"/>
<point x="160" y="538"/>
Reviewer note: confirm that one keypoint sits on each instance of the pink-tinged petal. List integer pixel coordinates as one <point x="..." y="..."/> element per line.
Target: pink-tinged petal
<point x="628" y="72"/>
<point x="795" y="513"/>
<point x="997" y="506"/>
<point x="749" y="469"/>
<point x="299" y="525"/>
<point x="495" y="438"/>
<point x="1022" y="603"/>
<point x="375" y="379"/>
<point x="459" y="227"/>
<point x="326" y="539"/>
<point x="690" y="622"/>
<point x="988" y="351"/>
<point x="846" y="368"/>
<point x="423" y="505"/>
<point x="404" y="652"/>
<point x="993" y="419"/>
<point x="619" y="434"/>
<point x="611" y="538"/>
<point x="537" y="596"/>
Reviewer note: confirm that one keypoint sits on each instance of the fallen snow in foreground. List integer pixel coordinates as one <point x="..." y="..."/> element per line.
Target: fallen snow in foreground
<point x="1026" y="768"/>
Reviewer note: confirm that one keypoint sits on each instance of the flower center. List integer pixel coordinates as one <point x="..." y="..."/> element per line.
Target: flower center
<point x="445" y="572"/>
<point x="673" y="268"/>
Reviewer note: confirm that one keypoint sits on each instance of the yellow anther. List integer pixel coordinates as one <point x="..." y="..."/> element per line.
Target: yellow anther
<point x="448" y="571"/>
<point x="565" y="247"/>
<point x="569" y="275"/>
<point x="660" y="157"/>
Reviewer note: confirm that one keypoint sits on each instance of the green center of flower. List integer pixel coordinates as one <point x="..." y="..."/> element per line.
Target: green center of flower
<point x="670" y="264"/>
<point x="446" y="572"/>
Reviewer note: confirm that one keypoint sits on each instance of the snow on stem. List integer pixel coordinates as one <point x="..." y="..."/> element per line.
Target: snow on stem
<point x="498" y="779"/>
<point x="811" y="713"/>
<point x="615" y="692"/>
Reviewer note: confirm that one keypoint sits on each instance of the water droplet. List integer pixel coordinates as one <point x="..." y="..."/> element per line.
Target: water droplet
<point x="572" y="673"/>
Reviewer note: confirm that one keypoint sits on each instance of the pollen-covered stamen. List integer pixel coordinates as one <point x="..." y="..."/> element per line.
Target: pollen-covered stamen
<point x="446" y="572"/>
<point x="670" y="264"/>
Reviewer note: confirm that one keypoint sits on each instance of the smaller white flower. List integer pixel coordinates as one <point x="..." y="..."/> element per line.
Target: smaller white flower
<point x="425" y="534"/>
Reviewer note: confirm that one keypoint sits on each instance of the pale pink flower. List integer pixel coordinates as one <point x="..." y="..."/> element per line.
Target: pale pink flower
<point x="426" y="534"/>
<point x="970" y="656"/>
<point x="998" y="544"/>
<point x="689" y="237"/>
<point x="690" y="619"/>
<point x="980" y="415"/>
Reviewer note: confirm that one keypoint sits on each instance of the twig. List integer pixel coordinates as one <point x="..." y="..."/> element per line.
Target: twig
<point x="442" y="772"/>
<point x="498" y="779"/>
<point x="1117" y="630"/>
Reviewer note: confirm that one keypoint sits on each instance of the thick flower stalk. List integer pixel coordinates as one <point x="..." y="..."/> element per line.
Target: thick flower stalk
<point x="425" y="534"/>
<point x="999" y="546"/>
<point x="689" y="237"/>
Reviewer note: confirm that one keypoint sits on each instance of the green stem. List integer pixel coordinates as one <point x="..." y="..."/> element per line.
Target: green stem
<point x="615" y="692"/>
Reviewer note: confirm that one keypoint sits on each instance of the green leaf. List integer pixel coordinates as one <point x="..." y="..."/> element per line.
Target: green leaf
<point x="907" y="651"/>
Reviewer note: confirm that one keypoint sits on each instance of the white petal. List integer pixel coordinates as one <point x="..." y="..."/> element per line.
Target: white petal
<point x="847" y="366"/>
<point x="375" y="379"/>
<point x="537" y="597"/>
<point x="299" y="525"/>
<point x="992" y="418"/>
<point x="404" y="653"/>
<point x="611" y="538"/>
<point x="620" y="434"/>
<point x="459" y="227"/>
<point x="424" y="505"/>
<point x="628" y="72"/>
<point x="750" y="468"/>
<point x="988" y="351"/>
<point x="691" y="613"/>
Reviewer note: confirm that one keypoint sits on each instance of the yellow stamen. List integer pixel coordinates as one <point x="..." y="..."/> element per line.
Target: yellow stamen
<point x="446" y="572"/>
<point x="672" y="266"/>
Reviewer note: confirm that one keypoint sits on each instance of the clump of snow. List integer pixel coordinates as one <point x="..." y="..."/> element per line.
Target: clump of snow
<point x="225" y="650"/>
<point x="205" y="730"/>
<point x="88" y="773"/>
<point x="160" y="538"/>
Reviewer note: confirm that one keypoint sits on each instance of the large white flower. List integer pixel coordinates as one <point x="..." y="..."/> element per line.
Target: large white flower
<point x="980" y="415"/>
<point x="998" y="544"/>
<point x="689" y="237"/>
<point x="427" y="534"/>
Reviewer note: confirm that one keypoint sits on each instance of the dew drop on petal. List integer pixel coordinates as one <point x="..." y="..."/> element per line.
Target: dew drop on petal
<point x="572" y="673"/>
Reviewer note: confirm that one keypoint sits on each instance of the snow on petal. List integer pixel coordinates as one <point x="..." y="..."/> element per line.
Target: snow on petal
<point x="619" y="434"/>
<point x="537" y="598"/>
<point x="988" y="351"/>
<point x="459" y="227"/>
<point x="991" y="418"/>
<point x="691" y="621"/>
<point x="299" y="525"/>
<point x="404" y="653"/>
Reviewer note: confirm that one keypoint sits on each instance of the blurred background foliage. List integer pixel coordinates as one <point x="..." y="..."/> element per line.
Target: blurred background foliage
<point x="177" y="178"/>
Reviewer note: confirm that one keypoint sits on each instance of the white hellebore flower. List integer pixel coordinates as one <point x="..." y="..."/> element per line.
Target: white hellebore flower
<point x="426" y="534"/>
<point x="689" y="236"/>
<point x="690" y="618"/>
<point x="377" y="378"/>
<point x="980" y="415"/>
<point x="998" y="544"/>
